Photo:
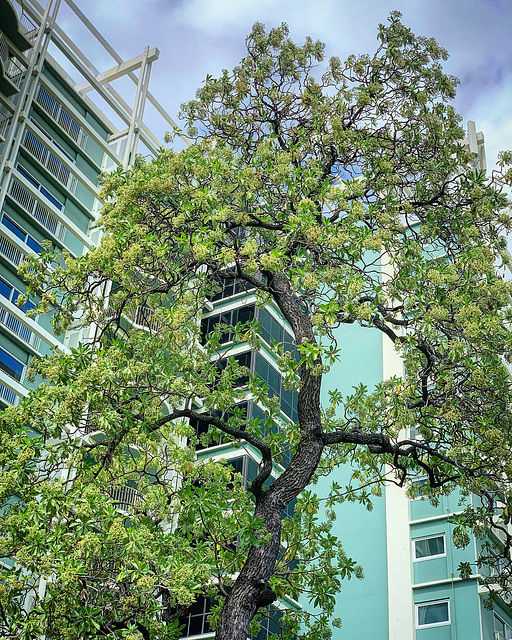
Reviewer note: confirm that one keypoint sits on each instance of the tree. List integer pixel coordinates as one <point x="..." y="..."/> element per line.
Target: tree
<point x="341" y="198"/>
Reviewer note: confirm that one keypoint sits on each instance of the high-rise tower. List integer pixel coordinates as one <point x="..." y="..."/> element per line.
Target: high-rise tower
<point x="57" y="134"/>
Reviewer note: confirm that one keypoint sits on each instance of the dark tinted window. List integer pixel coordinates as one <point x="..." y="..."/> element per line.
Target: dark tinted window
<point x="10" y="365"/>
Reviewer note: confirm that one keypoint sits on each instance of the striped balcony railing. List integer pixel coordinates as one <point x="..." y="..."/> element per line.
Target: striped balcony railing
<point x="40" y="212"/>
<point x="141" y="316"/>
<point x="8" y="396"/>
<point x="5" y="119"/>
<point x="18" y="328"/>
<point x="13" y="69"/>
<point x="27" y="26"/>
<point x="10" y="251"/>
<point x="61" y="116"/>
<point x="144" y="317"/>
<point x="47" y="159"/>
<point x="125" y="496"/>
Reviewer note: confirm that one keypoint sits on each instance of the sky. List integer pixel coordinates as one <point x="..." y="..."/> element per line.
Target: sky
<point x="200" y="37"/>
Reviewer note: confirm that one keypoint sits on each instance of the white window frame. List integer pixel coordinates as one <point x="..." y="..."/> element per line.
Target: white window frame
<point x="508" y="631"/>
<point x="437" y="555"/>
<point x="431" y="625"/>
<point x="423" y="480"/>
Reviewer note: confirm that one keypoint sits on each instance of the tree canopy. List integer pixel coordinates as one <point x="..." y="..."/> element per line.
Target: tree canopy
<point x="335" y="195"/>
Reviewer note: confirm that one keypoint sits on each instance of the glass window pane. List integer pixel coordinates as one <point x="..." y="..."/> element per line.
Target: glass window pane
<point x="429" y="547"/>
<point x="5" y="289"/>
<point x="244" y="314"/>
<point x="35" y="246"/>
<point x="51" y="198"/>
<point x="18" y="232"/>
<point x="10" y="365"/>
<point x="434" y="613"/>
<point x="27" y="306"/>
<point x="27" y="175"/>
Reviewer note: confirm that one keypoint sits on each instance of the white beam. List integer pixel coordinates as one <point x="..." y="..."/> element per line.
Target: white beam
<point x="120" y="70"/>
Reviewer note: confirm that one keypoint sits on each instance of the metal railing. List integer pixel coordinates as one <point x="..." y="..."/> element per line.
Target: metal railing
<point x="125" y="496"/>
<point x="8" y="396"/>
<point x="18" y="328"/>
<point x="141" y="316"/>
<point x="144" y="317"/>
<point x="28" y="27"/>
<point x="40" y="212"/>
<point x="90" y="426"/>
<point x="10" y="251"/>
<point x="5" y="119"/>
<point x="45" y="157"/>
<point x="13" y="69"/>
<point x="61" y="116"/>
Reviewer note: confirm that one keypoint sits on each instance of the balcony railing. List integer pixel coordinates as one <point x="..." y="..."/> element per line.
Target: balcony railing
<point x="28" y="27"/>
<point x="125" y="497"/>
<point x="5" y="119"/>
<point x="141" y="316"/>
<point x="52" y="107"/>
<point x="18" y="328"/>
<point x="10" y="251"/>
<point x="47" y="159"/>
<point x="13" y="69"/>
<point x="8" y="396"/>
<point x="40" y="212"/>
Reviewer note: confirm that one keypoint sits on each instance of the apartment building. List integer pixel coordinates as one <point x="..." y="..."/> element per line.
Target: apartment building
<point x="57" y="133"/>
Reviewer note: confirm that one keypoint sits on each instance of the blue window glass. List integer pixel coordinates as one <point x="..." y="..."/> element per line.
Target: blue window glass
<point x="14" y="228"/>
<point x="5" y="289"/>
<point x="28" y="306"/>
<point x="51" y="198"/>
<point x="35" y="246"/>
<point x="27" y="176"/>
<point x="63" y="151"/>
<point x="10" y="365"/>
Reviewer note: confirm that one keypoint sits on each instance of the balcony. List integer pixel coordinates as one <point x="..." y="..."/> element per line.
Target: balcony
<point x="124" y="497"/>
<point x="8" y="396"/>
<point x="17" y="24"/>
<point x="12" y="70"/>
<point x="48" y="160"/>
<point x="52" y="107"/>
<point x="36" y="209"/>
<point x="14" y="325"/>
<point x="5" y="120"/>
<point x="10" y="251"/>
<point x="141" y="317"/>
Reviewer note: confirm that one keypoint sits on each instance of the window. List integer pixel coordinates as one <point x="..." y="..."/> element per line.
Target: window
<point x="419" y="488"/>
<point x="269" y="623"/>
<point x="274" y="380"/>
<point x="231" y="317"/>
<point x="11" y="366"/>
<point x="10" y="293"/>
<point x="433" y="614"/>
<point x="502" y="628"/>
<point x="196" y="621"/>
<point x="201" y="427"/>
<point x="242" y="359"/>
<point x="431" y="547"/>
<point x="230" y="287"/>
<point x="21" y="234"/>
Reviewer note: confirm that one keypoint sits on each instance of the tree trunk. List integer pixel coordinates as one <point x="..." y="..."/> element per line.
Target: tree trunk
<point x="251" y="589"/>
